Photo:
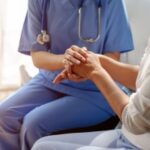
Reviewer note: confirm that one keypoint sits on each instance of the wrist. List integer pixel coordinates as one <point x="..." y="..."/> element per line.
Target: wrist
<point x="56" y="60"/>
<point x="61" y="61"/>
<point x="97" y="72"/>
<point x="103" y="60"/>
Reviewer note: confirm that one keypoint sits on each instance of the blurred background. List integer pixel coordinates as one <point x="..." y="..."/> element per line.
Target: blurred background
<point x="13" y="65"/>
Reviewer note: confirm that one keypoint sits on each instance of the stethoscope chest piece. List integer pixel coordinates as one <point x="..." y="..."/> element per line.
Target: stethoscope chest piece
<point x="43" y="37"/>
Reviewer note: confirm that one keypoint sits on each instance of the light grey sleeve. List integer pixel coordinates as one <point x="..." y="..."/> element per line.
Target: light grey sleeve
<point x="136" y="115"/>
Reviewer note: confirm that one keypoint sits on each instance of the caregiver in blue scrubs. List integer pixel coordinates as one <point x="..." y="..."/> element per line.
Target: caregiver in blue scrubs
<point x="41" y="107"/>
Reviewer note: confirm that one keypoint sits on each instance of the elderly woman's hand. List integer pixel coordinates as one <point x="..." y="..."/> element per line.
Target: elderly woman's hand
<point x="73" y="56"/>
<point x="91" y="65"/>
<point x="82" y="71"/>
<point x="64" y="75"/>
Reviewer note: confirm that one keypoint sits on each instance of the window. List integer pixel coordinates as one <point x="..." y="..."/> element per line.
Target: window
<point x="12" y="14"/>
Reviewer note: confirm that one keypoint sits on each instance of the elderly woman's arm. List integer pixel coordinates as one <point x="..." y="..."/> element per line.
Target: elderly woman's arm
<point x="115" y="97"/>
<point x="94" y="71"/>
<point x="133" y="111"/>
<point x="126" y="74"/>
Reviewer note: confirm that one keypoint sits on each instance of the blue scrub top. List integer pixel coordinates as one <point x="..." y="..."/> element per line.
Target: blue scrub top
<point x="62" y="25"/>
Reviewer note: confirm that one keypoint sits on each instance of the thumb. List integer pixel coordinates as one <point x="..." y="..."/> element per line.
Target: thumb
<point x="60" y="77"/>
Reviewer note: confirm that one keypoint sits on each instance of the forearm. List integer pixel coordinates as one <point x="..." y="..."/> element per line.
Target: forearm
<point x="124" y="73"/>
<point x="115" y="97"/>
<point x="48" y="61"/>
<point x="114" y="55"/>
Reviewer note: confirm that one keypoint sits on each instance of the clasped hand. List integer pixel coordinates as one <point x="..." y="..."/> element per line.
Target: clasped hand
<point x="79" y="63"/>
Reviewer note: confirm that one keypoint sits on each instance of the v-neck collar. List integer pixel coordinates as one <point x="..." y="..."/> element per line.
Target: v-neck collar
<point x="79" y="3"/>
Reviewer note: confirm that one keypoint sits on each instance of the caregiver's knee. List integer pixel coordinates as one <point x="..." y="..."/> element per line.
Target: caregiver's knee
<point x="29" y="125"/>
<point x="31" y="129"/>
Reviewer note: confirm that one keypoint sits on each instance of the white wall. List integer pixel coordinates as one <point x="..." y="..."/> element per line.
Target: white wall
<point x="139" y="16"/>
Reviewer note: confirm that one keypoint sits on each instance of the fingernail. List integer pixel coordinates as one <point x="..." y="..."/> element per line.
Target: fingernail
<point x="78" y="62"/>
<point x="83" y="59"/>
<point x="84" y="48"/>
<point x="69" y="74"/>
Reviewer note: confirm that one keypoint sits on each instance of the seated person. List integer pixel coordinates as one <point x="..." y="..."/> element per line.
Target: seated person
<point x="41" y="108"/>
<point x="133" y="111"/>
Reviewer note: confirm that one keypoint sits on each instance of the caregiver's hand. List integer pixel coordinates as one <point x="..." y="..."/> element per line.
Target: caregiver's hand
<point x="65" y="75"/>
<point x="92" y="65"/>
<point x="75" y="55"/>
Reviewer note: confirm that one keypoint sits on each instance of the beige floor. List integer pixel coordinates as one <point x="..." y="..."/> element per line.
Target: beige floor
<point x="3" y="95"/>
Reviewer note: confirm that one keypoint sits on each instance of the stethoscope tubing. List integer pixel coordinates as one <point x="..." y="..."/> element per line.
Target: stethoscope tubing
<point x="89" y="40"/>
<point x="43" y="37"/>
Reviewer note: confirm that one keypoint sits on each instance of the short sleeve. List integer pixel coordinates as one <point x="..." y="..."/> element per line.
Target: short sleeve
<point x="118" y="33"/>
<point x="31" y="29"/>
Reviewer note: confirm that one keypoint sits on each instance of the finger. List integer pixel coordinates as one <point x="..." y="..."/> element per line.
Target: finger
<point x="60" y="77"/>
<point x="76" y="55"/>
<point x="76" y="78"/>
<point x="67" y="63"/>
<point x="72" y="60"/>
<point x="85" y="49"/>
<point x="82" y="51"/>
<point x="69" y="69"/>
<point x="72" y="77"/>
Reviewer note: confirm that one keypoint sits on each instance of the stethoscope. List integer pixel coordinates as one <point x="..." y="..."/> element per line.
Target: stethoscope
<point x="44" y="37"/>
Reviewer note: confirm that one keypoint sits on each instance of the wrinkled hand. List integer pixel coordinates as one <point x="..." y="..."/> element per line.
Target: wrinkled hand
<point x="92" y="64"/>
<point x="73" y="56"/>
<point x="80" y="71"/>
<point x="65" y="75"/>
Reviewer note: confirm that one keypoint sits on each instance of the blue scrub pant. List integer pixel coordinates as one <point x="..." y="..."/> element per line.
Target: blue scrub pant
<point x="35" y="111"/>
